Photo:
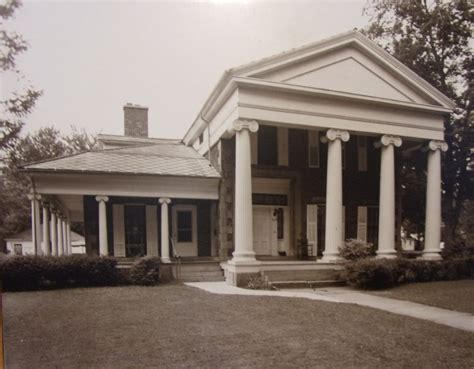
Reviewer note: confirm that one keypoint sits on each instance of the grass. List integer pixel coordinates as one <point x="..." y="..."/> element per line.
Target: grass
<point x="176" y="326"/>
<point x="452" y="295"/>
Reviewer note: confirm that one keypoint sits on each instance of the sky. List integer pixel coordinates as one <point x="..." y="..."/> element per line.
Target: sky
<point x="91" y="58"/>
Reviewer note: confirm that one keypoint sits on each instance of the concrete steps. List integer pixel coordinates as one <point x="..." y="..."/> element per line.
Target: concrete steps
<point x="304" y="278"/>
<point x="200" y="271"/>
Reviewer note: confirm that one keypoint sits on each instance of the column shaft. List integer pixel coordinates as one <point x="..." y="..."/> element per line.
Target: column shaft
<point x="46" y="229"/>
<point x="60" y="236"/>
<point x="243" y="218"/>
<point x="386" y="238"/>
<point x="54" y="235"/>
<point x="433" y="201"/>
<point x="165" y="246"/>
<point x="103" y="242"/>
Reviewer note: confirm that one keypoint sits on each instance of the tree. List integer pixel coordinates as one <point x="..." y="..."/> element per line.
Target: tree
<point x="16" y="107"/>
<point x="434" y="39"/>
<point x="46" y="143"/>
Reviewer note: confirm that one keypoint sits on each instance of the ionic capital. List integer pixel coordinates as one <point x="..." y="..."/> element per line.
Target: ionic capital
<point x="240" y="124"/>
<point x="101" y="198"/>
<point x="387" y="140"/>
<point x="164" y="200"/>
<point x="335" y="134"/>
<point x="438" y="145"/>
<point x="34" y="196"/>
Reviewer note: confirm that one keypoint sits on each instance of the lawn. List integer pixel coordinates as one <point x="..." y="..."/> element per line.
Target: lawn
<point x="175" y="326"/>
<point x="452" y="295"/>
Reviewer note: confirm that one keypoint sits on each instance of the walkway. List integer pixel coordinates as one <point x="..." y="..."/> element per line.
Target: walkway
<point x="347" y="295"/>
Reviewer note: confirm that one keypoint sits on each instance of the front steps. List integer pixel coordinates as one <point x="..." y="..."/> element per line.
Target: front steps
<point x="304" y="278"/>
<point x="204" y="270"/>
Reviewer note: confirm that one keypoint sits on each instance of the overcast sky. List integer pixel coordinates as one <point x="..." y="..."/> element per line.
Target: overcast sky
<point x="90" y="58"/>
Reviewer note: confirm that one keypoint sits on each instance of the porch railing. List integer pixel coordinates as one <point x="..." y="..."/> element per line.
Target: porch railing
<point x="178" y="259"/>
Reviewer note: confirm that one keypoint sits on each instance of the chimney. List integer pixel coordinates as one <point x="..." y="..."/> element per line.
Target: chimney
<point x="135" y="120"/>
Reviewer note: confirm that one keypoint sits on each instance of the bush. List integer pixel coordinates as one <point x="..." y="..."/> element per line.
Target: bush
<point x="356" y="249"/>
<point x="145" y="271"/>
<point x="458" y="250"/>
<point x="29" y="273"/>
<point x="384" y="273"/>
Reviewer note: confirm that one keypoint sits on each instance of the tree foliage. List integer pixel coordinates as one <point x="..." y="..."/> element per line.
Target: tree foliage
<point x="434" y="39"/>
<point x="14" y="108"/>
<point x="46" y="143"/>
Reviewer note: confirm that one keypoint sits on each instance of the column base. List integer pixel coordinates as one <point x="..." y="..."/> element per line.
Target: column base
<point x="239" y="274"/>
<point x="331" y="258"/>
<point x="386" y="255"/>
<point x="243" y="258"/>
<point x="166" y="260"/>
<point x="430" y="255"/>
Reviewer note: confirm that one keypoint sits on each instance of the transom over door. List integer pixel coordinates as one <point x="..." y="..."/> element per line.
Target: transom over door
<point x="184" y="225"/>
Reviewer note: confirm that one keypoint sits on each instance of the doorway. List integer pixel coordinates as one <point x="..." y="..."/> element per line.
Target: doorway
<point x="184" y="230"/>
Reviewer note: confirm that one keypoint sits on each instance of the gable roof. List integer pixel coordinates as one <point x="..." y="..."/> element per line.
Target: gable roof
<point x="353" y="38"/>
<point x="164" y="159"/>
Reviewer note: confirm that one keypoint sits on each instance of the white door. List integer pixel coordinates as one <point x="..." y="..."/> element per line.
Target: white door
<point x="184" y="225"/>
<point x="262" y="230"/>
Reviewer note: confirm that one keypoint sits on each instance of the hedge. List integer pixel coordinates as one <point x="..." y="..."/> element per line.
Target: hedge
<point x="385" y="273"/>
<point x="32" y="273"/>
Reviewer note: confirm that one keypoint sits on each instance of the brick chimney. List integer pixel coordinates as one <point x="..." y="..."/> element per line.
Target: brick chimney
<point x="135" y="120"/>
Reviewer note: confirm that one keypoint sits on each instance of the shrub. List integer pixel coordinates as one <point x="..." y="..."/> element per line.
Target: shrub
<point x="29" y="273"/>
<point x="385" y="273"/>
<point x="458" y="250"/>
<point x="145" y="271"/>
<point x="259" y="282"/>
<point x="356" y="249"/>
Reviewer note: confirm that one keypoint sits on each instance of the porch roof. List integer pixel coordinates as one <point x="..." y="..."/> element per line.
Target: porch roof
<point x="163" y="159"/>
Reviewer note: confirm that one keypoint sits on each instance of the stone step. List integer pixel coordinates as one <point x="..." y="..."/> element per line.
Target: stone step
<point x="202" y="272"/>
<point x="307" y="284"/>
<point x="201" y="268"/>
<point x="202" y="278"/>
<point x="302" y="275"/>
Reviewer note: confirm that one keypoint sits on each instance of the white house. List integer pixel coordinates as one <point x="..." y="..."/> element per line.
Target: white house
<point x="21" y="243"/>
<point x="300" y="144"/>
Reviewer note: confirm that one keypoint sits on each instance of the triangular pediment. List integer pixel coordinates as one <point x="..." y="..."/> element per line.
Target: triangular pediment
<point x="349" y="75"/>
<point x="349" y="63"/>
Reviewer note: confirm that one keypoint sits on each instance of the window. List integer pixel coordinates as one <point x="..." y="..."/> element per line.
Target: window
<point x="373" y="224"/>
<point x="185" y="226"/>
<point x="267" y="146"/>
<point x="269" y="199"/>
<point x="362" y="153"/>
<point x="201" y="138"/>
<point x="313" y="149"/>
<point x="18" y="249"/>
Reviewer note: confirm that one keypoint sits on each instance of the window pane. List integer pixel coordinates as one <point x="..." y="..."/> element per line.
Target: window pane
<point x="184" y="219"/>
<point x="185" y="235"/>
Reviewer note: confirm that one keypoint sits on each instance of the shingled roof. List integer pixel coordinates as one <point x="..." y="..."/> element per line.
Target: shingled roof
<point x="165" y="159"/>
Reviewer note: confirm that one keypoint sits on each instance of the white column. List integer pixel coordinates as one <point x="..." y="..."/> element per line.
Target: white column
<point x="433" y="201"/>
<point x="59" y="226"/>
<point x="243" y="218"/>
<point x="386" y="240"/>
<point x="68" y="236"/>
<point x="103" y="243"/>
<point x="54" y="234"/>
<point x="63" y="224"/>
<point x="334" y="214"/>
<point x="35" y="222"/>
<point x="165" y="238"/>
<point x="46" y="227"/>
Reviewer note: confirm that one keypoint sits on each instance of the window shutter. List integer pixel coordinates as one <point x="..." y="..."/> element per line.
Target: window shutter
<point x="254" y="147"/>
<point x="151" y="231"/>
<point x="312" y="227"/>
<point x="119" y="230"/>
<point x="362" y="153"/>
<point x="282" y="146"/>
<point x="362" y="223"/>
<point x="313" y="149"/>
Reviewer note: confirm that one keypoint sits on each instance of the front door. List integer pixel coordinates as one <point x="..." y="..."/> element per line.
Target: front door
<point x="262" y="230"/>
<point x="135" y="230"/>
<point x="184" y="224"/>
